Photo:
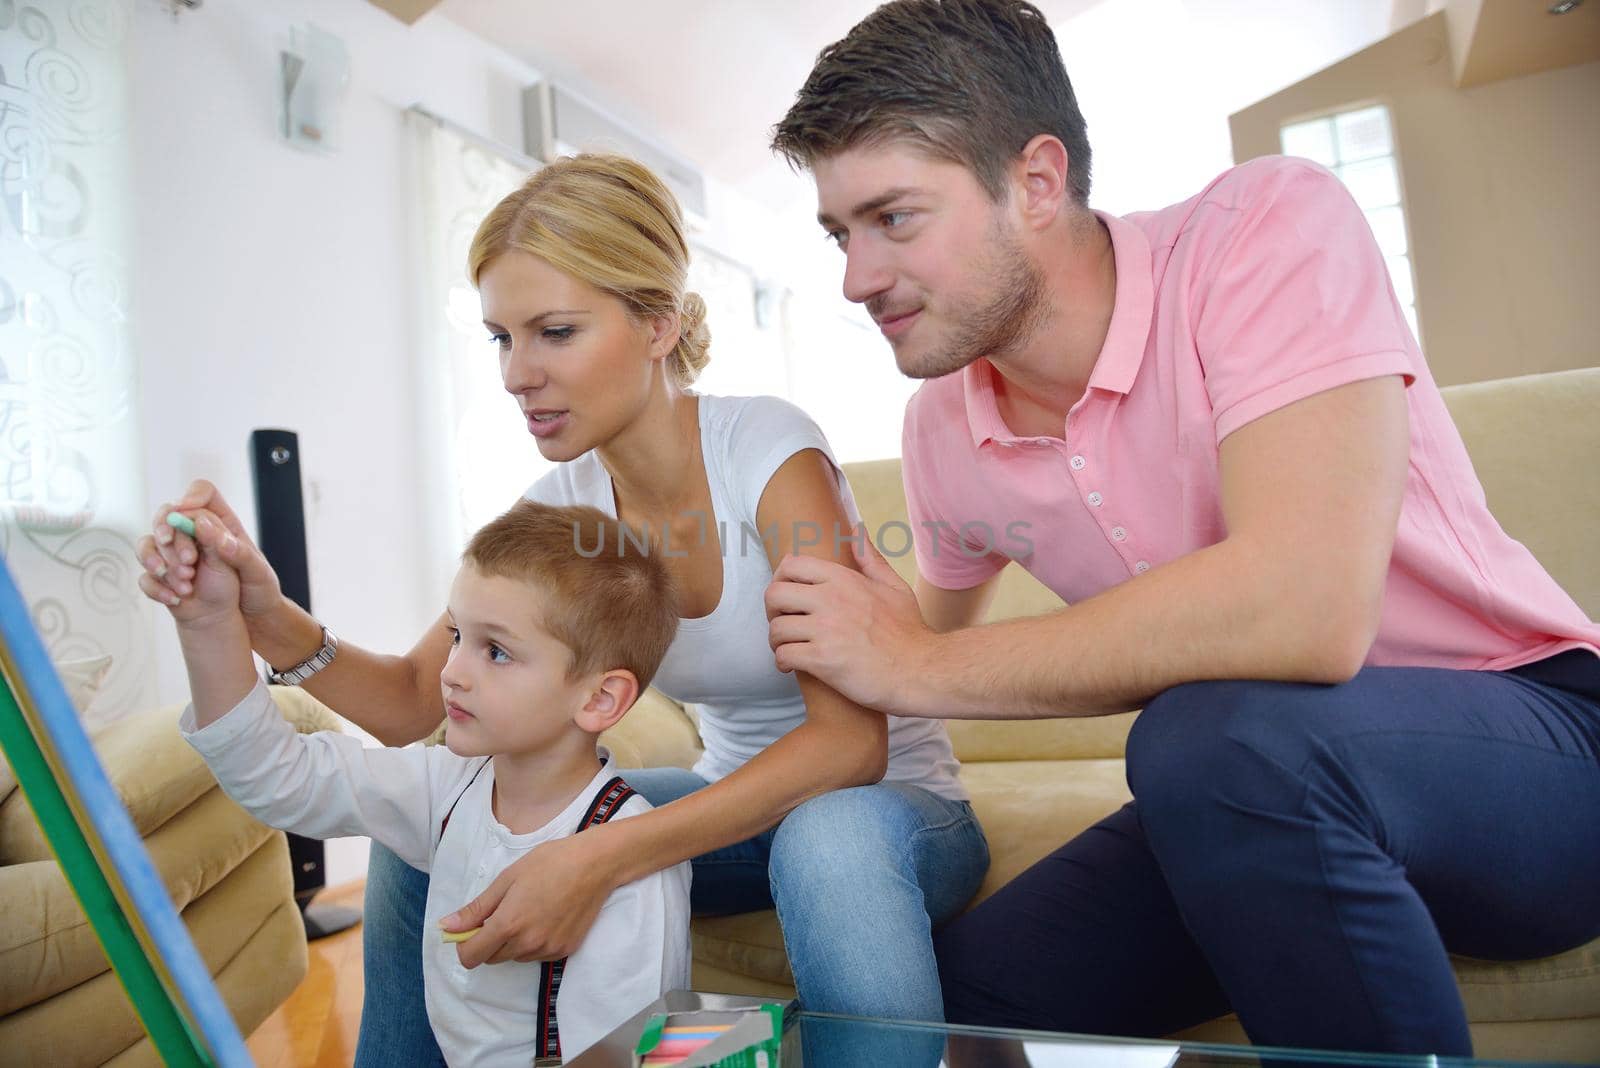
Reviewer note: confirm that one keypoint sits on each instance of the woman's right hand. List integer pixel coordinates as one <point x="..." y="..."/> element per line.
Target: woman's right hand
<point x="169" y="556"/>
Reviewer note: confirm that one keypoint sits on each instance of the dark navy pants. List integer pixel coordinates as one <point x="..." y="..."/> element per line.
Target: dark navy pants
<point x="1307" y="856"/>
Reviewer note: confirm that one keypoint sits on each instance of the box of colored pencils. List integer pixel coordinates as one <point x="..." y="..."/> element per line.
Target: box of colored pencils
<point x="747" y="1038"/>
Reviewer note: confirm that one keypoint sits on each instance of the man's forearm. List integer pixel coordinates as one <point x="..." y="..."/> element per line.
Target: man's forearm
<point x="1213" y="614"/>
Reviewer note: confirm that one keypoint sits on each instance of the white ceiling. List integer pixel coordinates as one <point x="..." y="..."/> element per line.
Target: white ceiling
<point x="707" y="78"/>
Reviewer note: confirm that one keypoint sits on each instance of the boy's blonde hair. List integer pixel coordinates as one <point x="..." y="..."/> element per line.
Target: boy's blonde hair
<point x="610" y="222"/>
<point x="612" y="608"/>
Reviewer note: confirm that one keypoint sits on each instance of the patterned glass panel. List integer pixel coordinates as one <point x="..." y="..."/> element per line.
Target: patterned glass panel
<point x="71" y="493"/>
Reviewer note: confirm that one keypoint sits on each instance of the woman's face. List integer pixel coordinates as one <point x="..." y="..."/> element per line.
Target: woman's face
<point x="579" y="365"/>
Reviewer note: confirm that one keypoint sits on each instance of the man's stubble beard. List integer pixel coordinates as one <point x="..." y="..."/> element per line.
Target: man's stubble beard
<point x="1011" y="312"/>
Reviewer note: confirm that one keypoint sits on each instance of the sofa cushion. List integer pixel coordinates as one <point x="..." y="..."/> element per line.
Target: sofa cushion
<point x="1529" y="1009"/>
<point x="247" y="930"/>
<point x="1562" y="987"/>
<point x="1534" y="442"/>
<point x="656" y="733"/>
<point x="1082" y="738"/>
<point x="1030" y="808"/>
<point x="47" y="944"/>
<point x="750" y="943"/>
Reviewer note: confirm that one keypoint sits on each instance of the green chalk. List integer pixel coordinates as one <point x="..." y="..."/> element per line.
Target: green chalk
<point x="179" y="521"/>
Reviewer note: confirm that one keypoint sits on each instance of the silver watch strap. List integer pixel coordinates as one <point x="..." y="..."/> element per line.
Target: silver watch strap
<point x="310" y="665"/>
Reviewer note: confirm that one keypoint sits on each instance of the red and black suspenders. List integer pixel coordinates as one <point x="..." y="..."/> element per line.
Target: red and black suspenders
<point x="547" y="1041"/>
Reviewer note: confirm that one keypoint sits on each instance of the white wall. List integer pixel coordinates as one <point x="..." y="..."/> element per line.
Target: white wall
<point x="1157" y="80"/>
<point x="270" y="286"/>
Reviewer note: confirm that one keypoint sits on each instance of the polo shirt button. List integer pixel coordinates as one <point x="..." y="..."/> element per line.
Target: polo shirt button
<point x="1078" y="463"/>
<point x="1141" y="567"/>
<point x="1095" y="499"/>
<point x="1118" y="534"/>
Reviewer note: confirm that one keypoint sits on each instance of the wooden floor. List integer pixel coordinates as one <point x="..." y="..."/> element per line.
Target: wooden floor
<point x="316" y="1027"/>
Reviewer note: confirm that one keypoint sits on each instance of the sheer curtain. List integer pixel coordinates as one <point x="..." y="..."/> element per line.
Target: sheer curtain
<point x="478" y="455"/>
<point x="844" y="375"/>
<point x="747" y="357"/>
<point x="71" y="489"/>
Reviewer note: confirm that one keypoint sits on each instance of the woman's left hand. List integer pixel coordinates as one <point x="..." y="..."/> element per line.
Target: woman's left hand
<point x="540" y="908"/>
<point x="862" y="632"/>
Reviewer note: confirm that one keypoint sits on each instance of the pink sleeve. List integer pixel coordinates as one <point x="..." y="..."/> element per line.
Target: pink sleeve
<point x="1299" y="300"/>
<point x="942" y="557"/>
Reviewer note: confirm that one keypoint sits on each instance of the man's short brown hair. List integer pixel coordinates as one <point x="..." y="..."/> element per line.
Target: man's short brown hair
<point x="611" y="609"/>
<point x="970" y="81"/>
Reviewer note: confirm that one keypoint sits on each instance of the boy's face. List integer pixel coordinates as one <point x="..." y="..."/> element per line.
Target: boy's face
<point x="934" y="259"/>
<point x="505" y="683"/>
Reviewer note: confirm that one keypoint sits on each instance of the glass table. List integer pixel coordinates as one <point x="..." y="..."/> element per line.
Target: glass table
<point x="822" y="1040"/>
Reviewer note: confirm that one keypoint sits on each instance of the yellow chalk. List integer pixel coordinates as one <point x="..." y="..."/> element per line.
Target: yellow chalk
<point x="458" y="936"/>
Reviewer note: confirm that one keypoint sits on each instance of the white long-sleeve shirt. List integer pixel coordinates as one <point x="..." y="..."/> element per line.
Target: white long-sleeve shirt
<point x="327" y="785"/>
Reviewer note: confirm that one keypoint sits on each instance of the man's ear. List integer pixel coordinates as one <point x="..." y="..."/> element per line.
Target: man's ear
<point x="609" y="701"/>
<point x="1041" y="172"/>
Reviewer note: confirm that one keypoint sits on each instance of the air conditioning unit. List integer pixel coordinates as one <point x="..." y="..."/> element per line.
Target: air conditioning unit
<point x="557" y="123"/>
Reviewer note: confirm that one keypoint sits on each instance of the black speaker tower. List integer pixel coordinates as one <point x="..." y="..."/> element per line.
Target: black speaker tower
<point x="281" y="533"/>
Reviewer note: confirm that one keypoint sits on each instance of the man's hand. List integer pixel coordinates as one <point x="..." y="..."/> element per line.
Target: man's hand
<point x="540" y="908"/>
<point x="860" y="633"/>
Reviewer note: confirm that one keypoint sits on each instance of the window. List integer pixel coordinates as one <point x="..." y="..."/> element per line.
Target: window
<point x="1358" y="146"/>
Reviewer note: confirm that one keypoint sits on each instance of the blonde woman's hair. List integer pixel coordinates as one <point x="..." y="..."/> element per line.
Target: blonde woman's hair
<point x="611" y="223"/>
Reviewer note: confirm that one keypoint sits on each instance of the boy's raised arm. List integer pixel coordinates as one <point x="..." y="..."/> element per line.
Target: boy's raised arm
<point x="320" y="786"/>
<point x="211" y="629"/>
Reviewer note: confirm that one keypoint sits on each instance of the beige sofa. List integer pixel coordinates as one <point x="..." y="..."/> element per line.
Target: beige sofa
<point x="60" y="1005"/>
<point x="1536" y="444"/>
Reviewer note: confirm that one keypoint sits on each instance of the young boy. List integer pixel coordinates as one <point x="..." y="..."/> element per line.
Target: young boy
<point x="550" y="648"/>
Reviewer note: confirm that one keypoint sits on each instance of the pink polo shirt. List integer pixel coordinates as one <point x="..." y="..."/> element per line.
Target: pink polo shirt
<point x="1262" y="290"/>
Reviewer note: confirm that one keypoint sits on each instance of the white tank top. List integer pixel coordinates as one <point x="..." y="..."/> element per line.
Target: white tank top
<point x="721" y="662"/>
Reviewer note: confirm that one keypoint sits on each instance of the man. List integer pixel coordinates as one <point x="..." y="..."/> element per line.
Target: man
<point x="1371" y="726"/>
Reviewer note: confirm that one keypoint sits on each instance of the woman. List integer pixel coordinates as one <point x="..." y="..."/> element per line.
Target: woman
<point x="581" y="275"/>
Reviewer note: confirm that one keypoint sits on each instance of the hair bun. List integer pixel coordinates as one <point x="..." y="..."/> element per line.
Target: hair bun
<point x="693" y="350"/>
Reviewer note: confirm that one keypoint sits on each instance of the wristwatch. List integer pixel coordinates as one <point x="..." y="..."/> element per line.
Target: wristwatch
<point x="310" y="665"/>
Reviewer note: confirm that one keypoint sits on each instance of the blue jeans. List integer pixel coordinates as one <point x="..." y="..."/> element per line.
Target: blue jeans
<point x="859" y="878"/>
<point x="1308" y="856"/>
